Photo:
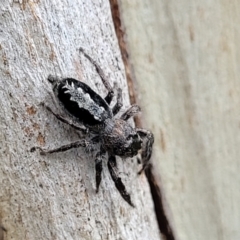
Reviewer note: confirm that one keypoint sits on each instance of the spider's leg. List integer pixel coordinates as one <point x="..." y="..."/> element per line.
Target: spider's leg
<point x="98" y="168"/>
<point x="132" y="111"/>
<point x="112" y="167"/>
<point x="105" y="81"/>
<point x="80" y="143"/>
<point x="148" y="140"/>
<point x="65" y="120"/>
<point x="119" y="103"/>
<point x="3" y="228"/>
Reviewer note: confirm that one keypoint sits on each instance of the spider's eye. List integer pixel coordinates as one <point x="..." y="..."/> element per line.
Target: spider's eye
<point x="134" y="137"/>
<point x="129" y="137"/>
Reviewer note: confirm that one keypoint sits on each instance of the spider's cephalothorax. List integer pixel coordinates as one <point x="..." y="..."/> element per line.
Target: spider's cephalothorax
<point x="115" y="135"/>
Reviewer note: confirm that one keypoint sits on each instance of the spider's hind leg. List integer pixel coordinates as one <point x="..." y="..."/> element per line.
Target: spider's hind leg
<point x="67" y="121"/>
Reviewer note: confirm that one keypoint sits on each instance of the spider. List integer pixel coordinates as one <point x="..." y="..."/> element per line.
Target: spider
<point x="115" y="135"/>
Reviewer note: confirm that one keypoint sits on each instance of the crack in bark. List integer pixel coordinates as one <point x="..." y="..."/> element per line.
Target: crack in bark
<point x="163" y="223"/>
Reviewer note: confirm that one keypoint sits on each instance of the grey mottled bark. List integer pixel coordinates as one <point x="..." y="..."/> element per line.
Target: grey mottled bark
<point x="53" y="197"/>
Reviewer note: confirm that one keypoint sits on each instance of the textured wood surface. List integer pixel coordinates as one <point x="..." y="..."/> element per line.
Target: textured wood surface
<point x="53" y="197"/>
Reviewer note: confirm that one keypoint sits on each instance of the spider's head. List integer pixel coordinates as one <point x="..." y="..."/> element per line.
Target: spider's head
<point x="120" y="139"/>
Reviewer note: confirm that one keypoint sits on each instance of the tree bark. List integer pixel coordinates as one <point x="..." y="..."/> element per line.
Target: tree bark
<point x="53" y="196"/>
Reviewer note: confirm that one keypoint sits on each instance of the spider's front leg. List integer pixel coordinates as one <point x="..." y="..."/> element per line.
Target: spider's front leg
<point x="119" y="102"/>
<point x="131" y="112"/>
<point x="148" y="140"/>
<point x="112" y="167"/>
<point x="98" y="167"/>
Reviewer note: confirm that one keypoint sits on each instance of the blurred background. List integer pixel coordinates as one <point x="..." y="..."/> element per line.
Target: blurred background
<point x="186" y="60"/>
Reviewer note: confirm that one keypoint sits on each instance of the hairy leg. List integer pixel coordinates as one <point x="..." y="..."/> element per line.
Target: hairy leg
<point x="65" y="120"/>
<point x="119" y="103"/>
<point x="132" y="111"/>
<point x="105" y="81"/>
<point x="80" y="143"/>
<point x="98" y="168"/>
<point x="112" y="167"/>
<point x="148" y="140"/>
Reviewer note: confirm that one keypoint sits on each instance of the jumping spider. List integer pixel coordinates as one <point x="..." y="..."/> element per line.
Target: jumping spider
<point x="115" y="135"/>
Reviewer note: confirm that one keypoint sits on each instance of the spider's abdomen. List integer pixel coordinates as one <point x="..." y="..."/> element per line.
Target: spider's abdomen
<point x="82" y="102"/>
